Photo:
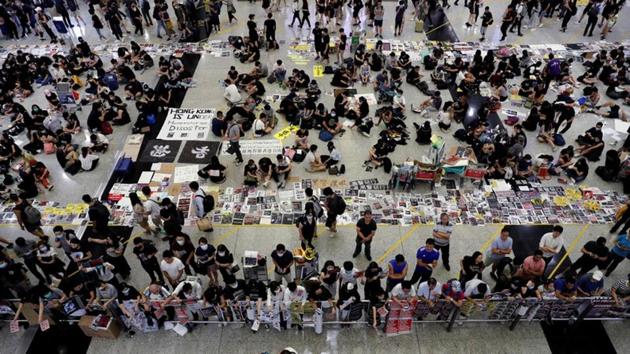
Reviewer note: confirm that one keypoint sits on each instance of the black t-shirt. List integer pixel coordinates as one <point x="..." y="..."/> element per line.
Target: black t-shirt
<point x="12" y="273"/>
<point x="147" y="251"/>
<point x="270" y="25"/>
<point x="130" y="294"/>
<point x="226" y="258"/>
<point x="366" y="229"/>
<point x="237" y="293"/>
<point x="594" y="247"/>
<point x="203" y="256"/>
<point x="284" y="261"/>
<point x="332" y="121"/>
<point x="308" y="229"/>
<point x="250" y="169"/>
<point x="343" y="39"/>
<point x="256" y="290"/>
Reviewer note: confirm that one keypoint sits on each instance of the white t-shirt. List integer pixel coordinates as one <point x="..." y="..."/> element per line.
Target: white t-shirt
<point x="308" y="160"/>
<point x="258" y="125"/>
<point x="153" y="206"/>
<point x="550" y="242"/>
<point x="348" y="277"/>
<point x="471" y="287"/>
<point x="173" y="268"/>
<point x="398" y="292"/>
<point x="425" y="292"/>
<point x="87" y="161"/>
<point x="231" y="93"/>
<point x="399" y="100"/>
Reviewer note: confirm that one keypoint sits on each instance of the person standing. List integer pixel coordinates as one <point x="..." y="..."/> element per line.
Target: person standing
<point x="172" y="268"/>
<point x="486" y="20"/>
<point x="396" y="271"/>
<point x="145" y="251"/>
<point x="379" y="14"/>
<point x="366" y="228"/>
<point x="97" y="23"/>
<point x="27" y="250"/>
<point x="619" y="251"/>
<point x="282" y="261"/>
<point x="623" y="218"/>
<point x="252" y="30"/>
<point x="551" y="243"/>
<point x="399" y="18"/>
<point x="42" y="20"/>
<point x="519" y="12"/>
<point x="508" y="18"/>
<point x="153" y="207"/>
<point x="270" y="32"/>
<point x="307" y="226"/>
<point x="233" y="136"/>
<point x="201" y="203"/>
<point x="317" y="40"/>
<point x="295" y="6"/>
<point x="593" y="253"/>
<point x="305" y="14"/>
<point x="98" y="214"/>
<point x="61" y="9"/>
<point x="569" y="10"/>
<point x="146" y="12"/>
<point x="426" y="260"/>
<point x="499" y="249"/>
<point x="442" y="236"/>
<point x="141" y="214"/>
<point x="592" y="11"/>
<point x="136" y="18"/>
<point x="335" y="205"/>
<point x="28" y="217"/>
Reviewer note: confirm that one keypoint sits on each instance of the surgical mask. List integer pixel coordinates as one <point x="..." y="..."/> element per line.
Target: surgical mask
<point x="221" y="254"/>
<point x="43" y="249"/>
<point x="309" y="218"/>
<point x="3" y="265"/>
<point x="203" y="247"/>
<point x="280" y="254"/>
<point x="126" y="291"/>
<point x="180" y="242"/>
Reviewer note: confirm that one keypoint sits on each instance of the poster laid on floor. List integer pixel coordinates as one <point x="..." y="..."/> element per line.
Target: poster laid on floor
<point x="160" y="151"/>
<point x="199" y="152"/>
<point x="187" y="124"/>
<point x="270" y="147"/>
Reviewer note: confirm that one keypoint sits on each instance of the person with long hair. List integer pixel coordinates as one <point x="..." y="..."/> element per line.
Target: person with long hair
<point x="140" y="213"/>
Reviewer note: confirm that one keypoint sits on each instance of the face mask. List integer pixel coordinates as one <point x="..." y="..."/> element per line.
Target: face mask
<point x="309" y="218"/>
<point x="221" y="254"/>
<point x="181" y="243"/>
<point x="203" y="247"/>
<point x="126" y="291"/>
<point x="280" y="254"/>
<point x="3" y="265"/>
<point x="43" y="249"/>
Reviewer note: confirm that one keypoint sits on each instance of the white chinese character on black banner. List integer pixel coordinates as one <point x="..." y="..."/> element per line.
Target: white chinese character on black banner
<point x="200" y="152"/>
<point x="160" y="151"/>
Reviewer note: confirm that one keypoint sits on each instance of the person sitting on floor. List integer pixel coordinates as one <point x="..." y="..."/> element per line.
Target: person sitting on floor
<point x="591" y="144"/>
<point x="88" y="159"/>
<point x="312" y="161"/>
<point x="214" y="171"/>
<point x="98" y="143"/>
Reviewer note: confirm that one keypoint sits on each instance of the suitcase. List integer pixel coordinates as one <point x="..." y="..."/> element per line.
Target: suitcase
<point x="111" y="81"/>
<point x="419" y="26"/>
<point x="123" y="166"/>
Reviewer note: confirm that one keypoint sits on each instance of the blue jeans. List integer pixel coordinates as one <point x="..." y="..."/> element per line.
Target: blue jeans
<point x="161" y="24"/>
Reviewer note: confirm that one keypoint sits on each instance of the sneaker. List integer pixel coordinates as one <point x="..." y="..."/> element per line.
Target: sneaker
<point x="354" y="255"/>
<point x="447" y="267"/>
<point x="369" y="258"/>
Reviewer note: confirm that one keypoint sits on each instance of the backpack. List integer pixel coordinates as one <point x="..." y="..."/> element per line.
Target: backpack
<point x="338" y="205"/>
<point x="208" y="202"/>
<point x="317" y="207"/>
<point x="32" y="215"/>
<point x="558" y="140"/>
<point x="554" y="67"/>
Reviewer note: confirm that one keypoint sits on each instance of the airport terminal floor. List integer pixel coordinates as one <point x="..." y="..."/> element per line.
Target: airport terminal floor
<point x="243" y="185"/>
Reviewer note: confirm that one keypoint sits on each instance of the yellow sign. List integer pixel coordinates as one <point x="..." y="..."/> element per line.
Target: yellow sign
<point x="285" y="132"/>
<point x="318" y="70"/>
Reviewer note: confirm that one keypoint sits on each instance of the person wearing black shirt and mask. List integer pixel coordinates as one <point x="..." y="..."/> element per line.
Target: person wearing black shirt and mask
<point x="146" y="251"/>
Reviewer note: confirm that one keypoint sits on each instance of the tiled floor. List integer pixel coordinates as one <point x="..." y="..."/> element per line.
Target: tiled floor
<point x="353" y="146"/>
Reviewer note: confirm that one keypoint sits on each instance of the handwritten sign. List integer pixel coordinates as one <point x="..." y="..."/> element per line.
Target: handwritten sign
<point x="187" y="124"/>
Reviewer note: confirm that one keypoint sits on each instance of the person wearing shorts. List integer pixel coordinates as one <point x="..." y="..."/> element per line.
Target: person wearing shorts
<point x="379" y="12"/>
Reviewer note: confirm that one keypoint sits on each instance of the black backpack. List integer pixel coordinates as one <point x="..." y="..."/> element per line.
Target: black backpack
<point x="208" y="202"/>
<point x="338" y="205"/>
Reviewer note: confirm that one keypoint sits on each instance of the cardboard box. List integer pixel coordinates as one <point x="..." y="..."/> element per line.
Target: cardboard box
<point x="112" y="331"/>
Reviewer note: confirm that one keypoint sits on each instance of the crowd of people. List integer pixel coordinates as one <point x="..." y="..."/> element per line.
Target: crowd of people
<point x="93" y="269"/>
<point x="90" y="275"/>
